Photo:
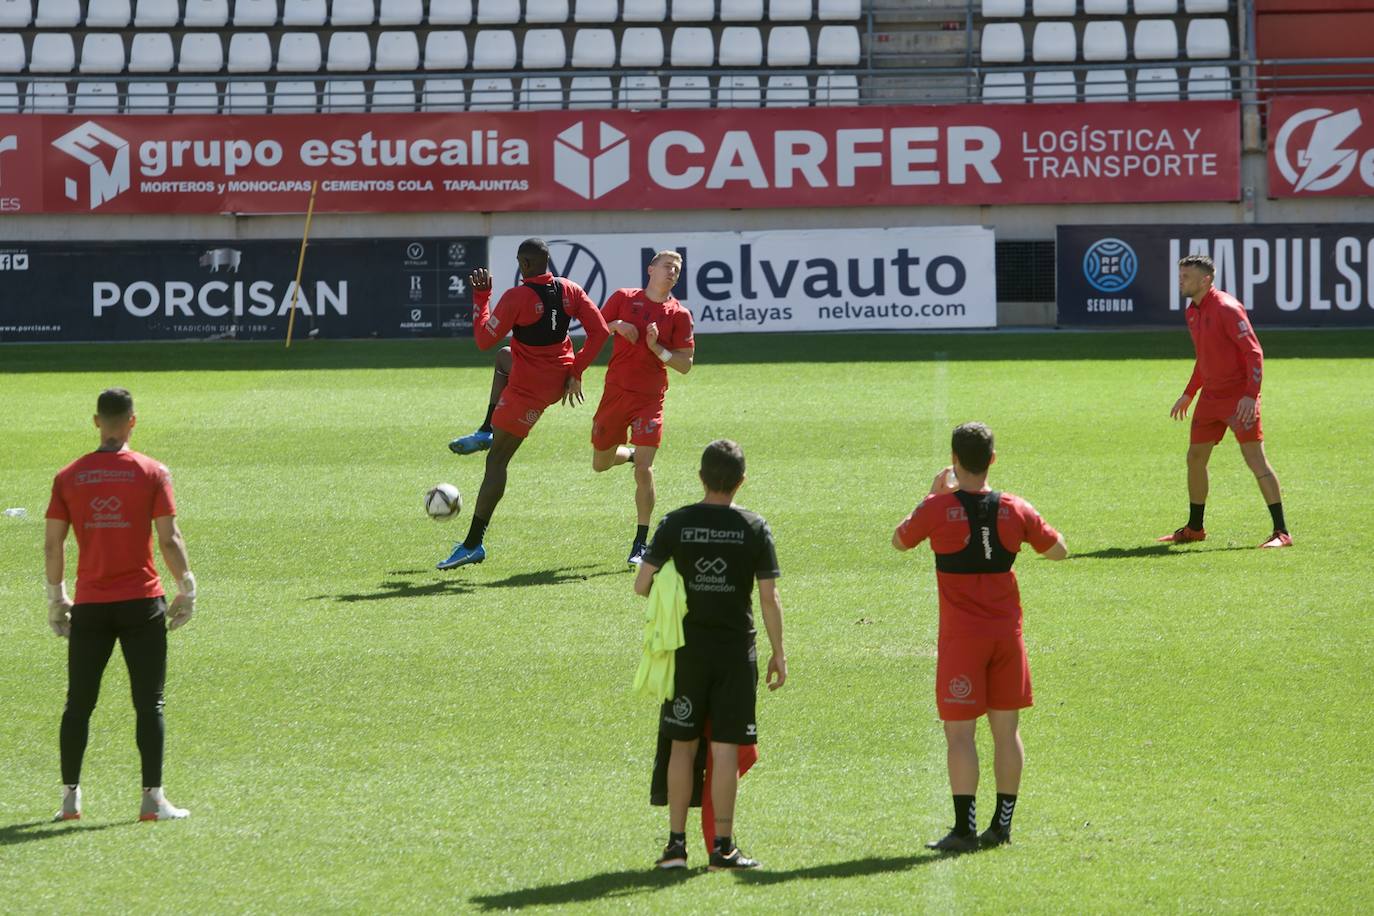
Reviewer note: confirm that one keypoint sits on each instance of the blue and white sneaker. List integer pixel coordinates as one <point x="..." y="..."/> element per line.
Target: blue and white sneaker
<point x="637" y="551"/>
<point x="462" y="556"/>
<point x="479" y="441"/>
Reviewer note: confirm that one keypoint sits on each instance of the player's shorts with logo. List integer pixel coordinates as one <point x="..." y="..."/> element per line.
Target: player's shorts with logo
<point x="524" y="401"/>
<point x="974" y="674"/>
<point x="1212" y="417"/>
<point x="713" y="684"/>
<point x="621" y="410"/>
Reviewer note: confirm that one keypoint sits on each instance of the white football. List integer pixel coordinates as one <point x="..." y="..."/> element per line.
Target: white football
<point x="443" y="502"/>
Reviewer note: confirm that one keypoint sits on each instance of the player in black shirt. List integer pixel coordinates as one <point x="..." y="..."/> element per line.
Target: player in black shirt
<point x="719" y="549"/>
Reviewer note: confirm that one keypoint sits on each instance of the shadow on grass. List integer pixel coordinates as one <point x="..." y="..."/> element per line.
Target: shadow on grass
<point x="404" y="588"/>
<point x="49" y="830"/>
<point x="855" y="868"/>
<point x="1149" y="550"/>
<point x="607" y="886"/>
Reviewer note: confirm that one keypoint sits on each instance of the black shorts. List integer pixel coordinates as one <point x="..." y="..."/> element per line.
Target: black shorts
<point x="715" y="685"/>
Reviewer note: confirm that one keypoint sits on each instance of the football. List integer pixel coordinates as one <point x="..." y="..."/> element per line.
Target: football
<point x="443" y="502"/>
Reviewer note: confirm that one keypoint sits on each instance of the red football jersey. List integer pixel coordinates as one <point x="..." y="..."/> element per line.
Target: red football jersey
<point x="634" y="367"/>
<point x="521" y="306"/>
<point x="976" y="604"/>
<point x="110" y="499"/>
<point x="1229" y="362"/>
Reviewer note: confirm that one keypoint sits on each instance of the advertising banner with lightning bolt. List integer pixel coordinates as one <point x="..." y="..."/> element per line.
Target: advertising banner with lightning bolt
<point x="1321" y="146"/>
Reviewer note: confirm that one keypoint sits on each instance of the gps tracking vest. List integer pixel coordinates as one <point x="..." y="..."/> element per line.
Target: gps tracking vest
<point x="552" y="326"/>
<point x="984" y="552"/>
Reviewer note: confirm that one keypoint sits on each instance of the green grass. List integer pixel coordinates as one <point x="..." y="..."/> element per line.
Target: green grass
<point x="356" y="732"/>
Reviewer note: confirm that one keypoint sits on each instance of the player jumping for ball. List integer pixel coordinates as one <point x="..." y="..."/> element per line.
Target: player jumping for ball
<point x="543" y="369"/>
<point x="653" y="331"/>
<point x="975" y="534"/>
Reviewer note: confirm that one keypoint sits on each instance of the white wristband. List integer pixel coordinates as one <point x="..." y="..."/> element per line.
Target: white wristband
<point x="187" y="584"/>
<point x="57" y="592"/>
<point x="665" y="354"/>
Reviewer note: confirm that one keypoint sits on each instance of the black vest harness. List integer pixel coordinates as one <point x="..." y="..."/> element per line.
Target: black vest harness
<point x="984" y="552"/>
<point x="552" y="327"/>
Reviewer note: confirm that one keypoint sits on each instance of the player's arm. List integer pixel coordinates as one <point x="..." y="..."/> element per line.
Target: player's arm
<point x="54" y="568"/>
<point x="770" y="606"/>
<point x="1180" y="409"/>
<point x="1058" y="550"/>
<point x="1243" y="336"/>
<point x="644" y="579"/>
<point x="581" y="307"/>
<point x="917" y="526"/>
<point x="1038" y="533"/>
<point x="614" y="323"/>
<point x="173" y="549"/>
<point x="490" y="328"/>
<point x="680" y="359"/>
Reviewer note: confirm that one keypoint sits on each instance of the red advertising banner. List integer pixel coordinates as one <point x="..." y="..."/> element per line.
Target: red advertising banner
<point x="621" y="160"/>
<point x="1321" y="146"/>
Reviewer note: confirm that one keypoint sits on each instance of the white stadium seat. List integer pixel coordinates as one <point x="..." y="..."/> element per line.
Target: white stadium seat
<point x="102" y="52"/>
<point x="498" y="12"/>
<point x="443" y="95"/>
<point x="1003" y="43"/>
<point x="248" y="97"/>
<point x="645" y="11"/>
<point x="1155" y="39"/>
<point x="108" y="14"/>
<point x="779" y="10"/>
<point x="595" y="10"/>
<point x="151" y="52"/>
<point x="1209" y="39"/>
<point x="206" y="13"/>
<point x="838" y="46"/>
<point x="352" y="12"/>
<point x="303" y="12"/>
<point x="594" y="48"/>
<point x="349" y="52"/>
<point x="741" y="46"/>
<point x="147" y="98"/>
<point x="58" y="14"/>
<point x="52" y="52"/>
<point x="156" y="14"/>
<point x="1209" y="83"/>
<point x="195" y="97"/>
<point x="640" y="92"/>
<point x="739" y="92"/>
<point x="1004" y="9"/>
<point x="344" y="95"/>
<point x="590" y="92"/>
<point x="641" y="47"/>
<point x="250" y="52"/>
<point x="1206" y="6"/>
<point x="298" y="52"/>
<point x="543" y="49"/>
<point x="13" y="58"/>
<point x="1054" y="86"/>
<point x="201" y="52"/>
<point x="96" y="98"/>
<point x="1104" y="7"/>
<point x="839" y="89"/>
<point x="837" y="9"/>
<point x="541" y="93"/>
<point x="1106" y="86"/>
<point x="1156" y="7"/>
<point x="398" y="51"/>
<point x="546" y="11"/>
<point x="789" y="46"/>
<point x="689" y="92"/>
<point x="491" y="95"/>
<point x="1156" y="84"/>
<point x="250" y="13"/>
<point x="446" y="51"/>
<point x="295" y="95"/>
<point x="393" y="95"/>
<point x="1052" y="8"/>
<point x="1004" y="87"/>
<point x="47" y="97"/>
<point x="401" y="12"/>
<point x="694" y="10"/>
<point x="494" y="49"/>
<point x="1054" y="42"/>
<point x="449" y="12"/>
<point x="692" y="47"/>
<point x="15" y="14"/>
<point x="787" y="92"/>
<point x="1104" y="41"/>
<point x="9" y="97"/>
<point x="742" y="11"/>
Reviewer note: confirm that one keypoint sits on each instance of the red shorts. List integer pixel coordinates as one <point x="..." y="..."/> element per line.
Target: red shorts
<point x="974" y="674"/>
<point x="621" y="410"/>
<point x="1212" y="416"/>
<point x="520" y="408"/>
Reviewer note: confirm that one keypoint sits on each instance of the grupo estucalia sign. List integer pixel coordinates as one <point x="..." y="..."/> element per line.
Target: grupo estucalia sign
<point x="621" y="159"/>
<point x="793" y="280"/>
<point x="399" y="287"/>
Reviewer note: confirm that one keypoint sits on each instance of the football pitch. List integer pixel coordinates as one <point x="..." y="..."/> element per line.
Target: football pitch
<point x="354" y="731"/>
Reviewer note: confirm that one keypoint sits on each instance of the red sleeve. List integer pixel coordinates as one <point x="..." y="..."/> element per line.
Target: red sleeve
<point x="1035" y="530"/>
<point x="490" y="329"/>
<point x="1243" y="336"/>
<point x="163" y="501"/>
<point x="681" y="332"/>
<point x="1194" y="381"/>
<point x="581" y="307"/>
<point x="918" y="526"/>
<point x="57" y="506"/>
<point x="611" y="310"/>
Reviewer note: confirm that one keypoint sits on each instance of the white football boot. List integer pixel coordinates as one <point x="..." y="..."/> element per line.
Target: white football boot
<point x="71" y="804"/>
<point x="156" y="807"/>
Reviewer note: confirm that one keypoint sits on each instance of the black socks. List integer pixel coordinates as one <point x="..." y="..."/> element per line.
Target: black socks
<point x="486" y="424"/>
<point x="965" y="815"/>
<point x="677" y="837"/>
<point x="725" y="844"/>
<point x="1001" y="818"/>
<point x="1276" y="511"/>
<point x="641" y="534"/>
<point x="476" y="531"/>
<point x="1195" y="511"/>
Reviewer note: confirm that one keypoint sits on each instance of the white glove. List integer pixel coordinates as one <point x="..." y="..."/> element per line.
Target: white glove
<point x="184" y="604"/>
<point x="59" y="610"/>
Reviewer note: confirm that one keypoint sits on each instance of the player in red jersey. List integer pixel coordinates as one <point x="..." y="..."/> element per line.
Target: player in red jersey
<point x="543" y="368"/>
<point x="114" y="498"/>
<point x="975" y="534"/>
<point x="653" y="332"/>
<point x="1228" y="371"/>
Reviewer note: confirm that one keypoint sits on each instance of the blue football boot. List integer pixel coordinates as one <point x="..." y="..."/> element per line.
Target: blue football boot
<point x="462" y="556"/>
<point x="479" y="441"/>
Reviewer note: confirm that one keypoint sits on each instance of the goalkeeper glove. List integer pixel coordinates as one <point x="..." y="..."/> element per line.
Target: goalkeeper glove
<point x="59" y="609"/>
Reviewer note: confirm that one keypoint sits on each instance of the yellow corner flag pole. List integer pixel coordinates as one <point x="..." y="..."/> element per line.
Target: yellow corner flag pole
<point x="300" y="263"/>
